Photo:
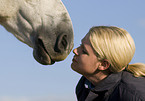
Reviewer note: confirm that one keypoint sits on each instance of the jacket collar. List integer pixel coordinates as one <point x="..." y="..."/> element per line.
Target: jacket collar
<point x="107" y="83"/>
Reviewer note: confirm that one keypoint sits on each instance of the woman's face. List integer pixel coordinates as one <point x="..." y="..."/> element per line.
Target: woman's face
<point x="85" y="61"/>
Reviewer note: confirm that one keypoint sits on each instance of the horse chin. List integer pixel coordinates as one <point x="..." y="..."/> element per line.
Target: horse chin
<point x="42" y="56"/>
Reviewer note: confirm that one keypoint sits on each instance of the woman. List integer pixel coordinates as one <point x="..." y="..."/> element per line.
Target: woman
<point x="103" y="59"/>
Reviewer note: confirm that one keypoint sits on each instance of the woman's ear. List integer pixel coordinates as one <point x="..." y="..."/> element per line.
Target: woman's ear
<point x="104" y="65"/>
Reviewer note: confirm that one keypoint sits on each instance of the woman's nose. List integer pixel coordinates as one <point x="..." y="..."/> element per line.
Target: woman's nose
<point x="75" y="51"/>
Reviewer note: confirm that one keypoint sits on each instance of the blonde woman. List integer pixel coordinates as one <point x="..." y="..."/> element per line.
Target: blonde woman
<point x="103" y="59"/>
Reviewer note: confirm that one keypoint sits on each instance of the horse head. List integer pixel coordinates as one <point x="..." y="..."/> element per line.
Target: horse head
<point x="44" y="25"/>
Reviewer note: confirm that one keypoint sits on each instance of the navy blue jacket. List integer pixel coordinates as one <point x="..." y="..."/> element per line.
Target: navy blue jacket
<point x="121" y="86"/>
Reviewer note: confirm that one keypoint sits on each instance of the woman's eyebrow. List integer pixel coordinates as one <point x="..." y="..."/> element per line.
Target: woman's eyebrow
<point x="83" y="46"/>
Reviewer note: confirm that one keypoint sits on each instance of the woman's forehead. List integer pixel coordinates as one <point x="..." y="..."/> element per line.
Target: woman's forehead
<point x="85" y="39"/>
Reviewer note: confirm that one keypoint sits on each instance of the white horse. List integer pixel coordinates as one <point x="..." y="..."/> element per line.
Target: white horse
<point x="44" y="25"/>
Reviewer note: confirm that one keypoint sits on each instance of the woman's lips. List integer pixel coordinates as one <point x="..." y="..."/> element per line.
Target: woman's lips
<point x="74" y="60"/>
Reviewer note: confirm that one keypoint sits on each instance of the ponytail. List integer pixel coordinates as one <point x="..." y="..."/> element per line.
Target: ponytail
<point x="138" y="69"/>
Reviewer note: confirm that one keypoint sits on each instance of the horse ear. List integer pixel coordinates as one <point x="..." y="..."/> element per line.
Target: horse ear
<point x="104" y="65"/>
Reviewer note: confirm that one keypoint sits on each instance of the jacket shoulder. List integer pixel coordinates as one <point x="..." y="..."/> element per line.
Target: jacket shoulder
<point x="133" y="86"/>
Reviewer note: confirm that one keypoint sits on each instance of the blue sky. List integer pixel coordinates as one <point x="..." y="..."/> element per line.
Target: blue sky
<point x="23" y="79"/>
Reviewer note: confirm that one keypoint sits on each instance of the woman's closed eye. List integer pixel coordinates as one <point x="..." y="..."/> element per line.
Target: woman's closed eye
<point x="84" y="52"/>
<point x="83" y="49"/>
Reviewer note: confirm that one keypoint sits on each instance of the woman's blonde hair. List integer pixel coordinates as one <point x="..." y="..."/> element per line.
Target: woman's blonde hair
<point x="117" y="46"/>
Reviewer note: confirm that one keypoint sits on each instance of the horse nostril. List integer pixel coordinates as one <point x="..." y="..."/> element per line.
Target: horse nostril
<point x="64" y="42"/>
<point x="61" y="43"/>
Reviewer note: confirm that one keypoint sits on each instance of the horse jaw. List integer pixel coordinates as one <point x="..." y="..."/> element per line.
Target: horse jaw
<point x="40" y="24"/>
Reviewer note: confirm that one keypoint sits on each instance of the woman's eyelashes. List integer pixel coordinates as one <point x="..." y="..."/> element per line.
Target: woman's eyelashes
<point x="84" y="51"/>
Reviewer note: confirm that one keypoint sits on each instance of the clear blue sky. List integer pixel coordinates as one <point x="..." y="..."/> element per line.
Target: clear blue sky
<point x="23" y="79"/>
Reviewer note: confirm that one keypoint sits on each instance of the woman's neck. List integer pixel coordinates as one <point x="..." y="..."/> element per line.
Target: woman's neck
<point x="96" y="78"/>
